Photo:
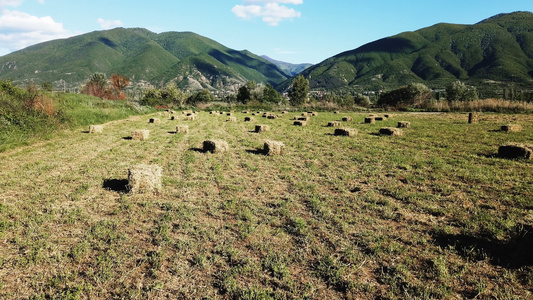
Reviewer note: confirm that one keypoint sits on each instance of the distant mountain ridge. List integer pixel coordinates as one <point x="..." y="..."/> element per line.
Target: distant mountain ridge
<point x="188" y="59"/>
<point x="288" y="68"/>
<point x="494" y="52"/>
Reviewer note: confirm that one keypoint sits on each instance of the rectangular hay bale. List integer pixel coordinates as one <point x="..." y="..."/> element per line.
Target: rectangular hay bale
<point x="370" y="120"/>
<point x="391" y="131"/>
<point x="404" y="124"/>
<point x="155" y="121"/>
<point x="216" y="146"/>
<point x="345" y="132"/>
<point x="140" y="135"/>
<point x="273" y="148"/>
<point x="511" y="128"/>
<point x="182" y="129"/>
<point x="334" y="124"/>
<point x="144" y="178"/>
<point x="96" y="128"/>
<point x="300" y="123"/>
<point x="261" y="128"/>
<point x="515" y="150"/>
<point x="248" y="119"/>
<point x="347" y="119"/>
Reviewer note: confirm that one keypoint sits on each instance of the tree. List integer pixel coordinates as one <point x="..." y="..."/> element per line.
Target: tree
<point x="244" y="94"/>
<point x="458" y="91"/>
<point x="298" y="91"/>
<point x="270" y="95"/>
<point x="203" y="96"/>
<point x="361" y="100"/>
<point x="411" y="95"/>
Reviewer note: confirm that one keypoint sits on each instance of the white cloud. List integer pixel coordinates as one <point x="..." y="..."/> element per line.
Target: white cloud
<point x="10" y="3"/>
<point x="19" y="29"/>
<point x="295" y="2"/>
<point x="271" y="12"/>
<point x="109" y="24"/>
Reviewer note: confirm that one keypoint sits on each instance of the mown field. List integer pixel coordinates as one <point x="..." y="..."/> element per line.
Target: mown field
<point x="431" y="214"/>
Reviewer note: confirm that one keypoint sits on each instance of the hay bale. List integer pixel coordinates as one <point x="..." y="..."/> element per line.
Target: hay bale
<point x="96" y="128"/>
<point x="334" y="124"/>
<point x="314" y="114"/>
<point x="155" y="121"/>
<point x="391" y="131"/>
<point x="404" y="124"/>
<point x="173" y="118"/>
<point x="303" y="119"/>
<point x="261" y="128"/>
<point x="182" y="129"/>
<point x="273" y="148"/>
<point x="347" y="119"/>
<point x="272" y="117"/>
<point x="300" y="123"/>
<point x="232" y="119"/>
<point x="248" y="119"/>
<point x="473" y="118"/>
<point x="379" y="118"/>
<point x="305" y="114"/>
<point x="345" y="132"/>
<point x="370" y="120"/>
<point x="144" y="178"/>
<point x="336" y="112"/>
<point x="140" y="135"/>
<point x="285" y="112"/>
<point x="515" y="150"/>
<point x="511" y="128"/>
<point x="216" y="146"/>
<point x="388" y="116"/>
<point x="229" y="114"/>
<point x="191" y="117"/>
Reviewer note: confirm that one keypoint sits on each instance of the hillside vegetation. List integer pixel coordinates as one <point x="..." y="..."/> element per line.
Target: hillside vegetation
<point x="430" y="214"/>
<point x="185" y="58"/>
<point x="492" y="54"/>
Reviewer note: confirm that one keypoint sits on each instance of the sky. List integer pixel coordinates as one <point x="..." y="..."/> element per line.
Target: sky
<point x="295" y="31"/>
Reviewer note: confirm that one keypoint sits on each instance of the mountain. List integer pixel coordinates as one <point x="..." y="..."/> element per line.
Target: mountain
<point x="495" y="52"/>
<point x="288" y="68"/>
<point x="188" y="59"/>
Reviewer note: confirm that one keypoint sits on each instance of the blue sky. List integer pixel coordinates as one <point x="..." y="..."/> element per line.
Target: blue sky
<point x="296" y="31"/>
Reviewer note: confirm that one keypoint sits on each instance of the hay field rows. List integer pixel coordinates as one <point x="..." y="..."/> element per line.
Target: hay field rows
<point x="430" y="214"/>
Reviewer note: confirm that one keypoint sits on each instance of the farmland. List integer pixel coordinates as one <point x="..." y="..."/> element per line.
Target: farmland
<point x="434" y="213"/>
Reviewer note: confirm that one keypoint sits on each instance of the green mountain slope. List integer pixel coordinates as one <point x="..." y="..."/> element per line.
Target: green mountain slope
<point x="498" y="49"/>
<point x="141" y="55"/>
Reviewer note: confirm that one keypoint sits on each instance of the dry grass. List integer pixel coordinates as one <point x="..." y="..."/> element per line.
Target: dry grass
<point x="435" y="214"/>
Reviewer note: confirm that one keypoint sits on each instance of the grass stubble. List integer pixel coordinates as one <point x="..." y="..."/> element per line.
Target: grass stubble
<point x="430" y="214"/>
